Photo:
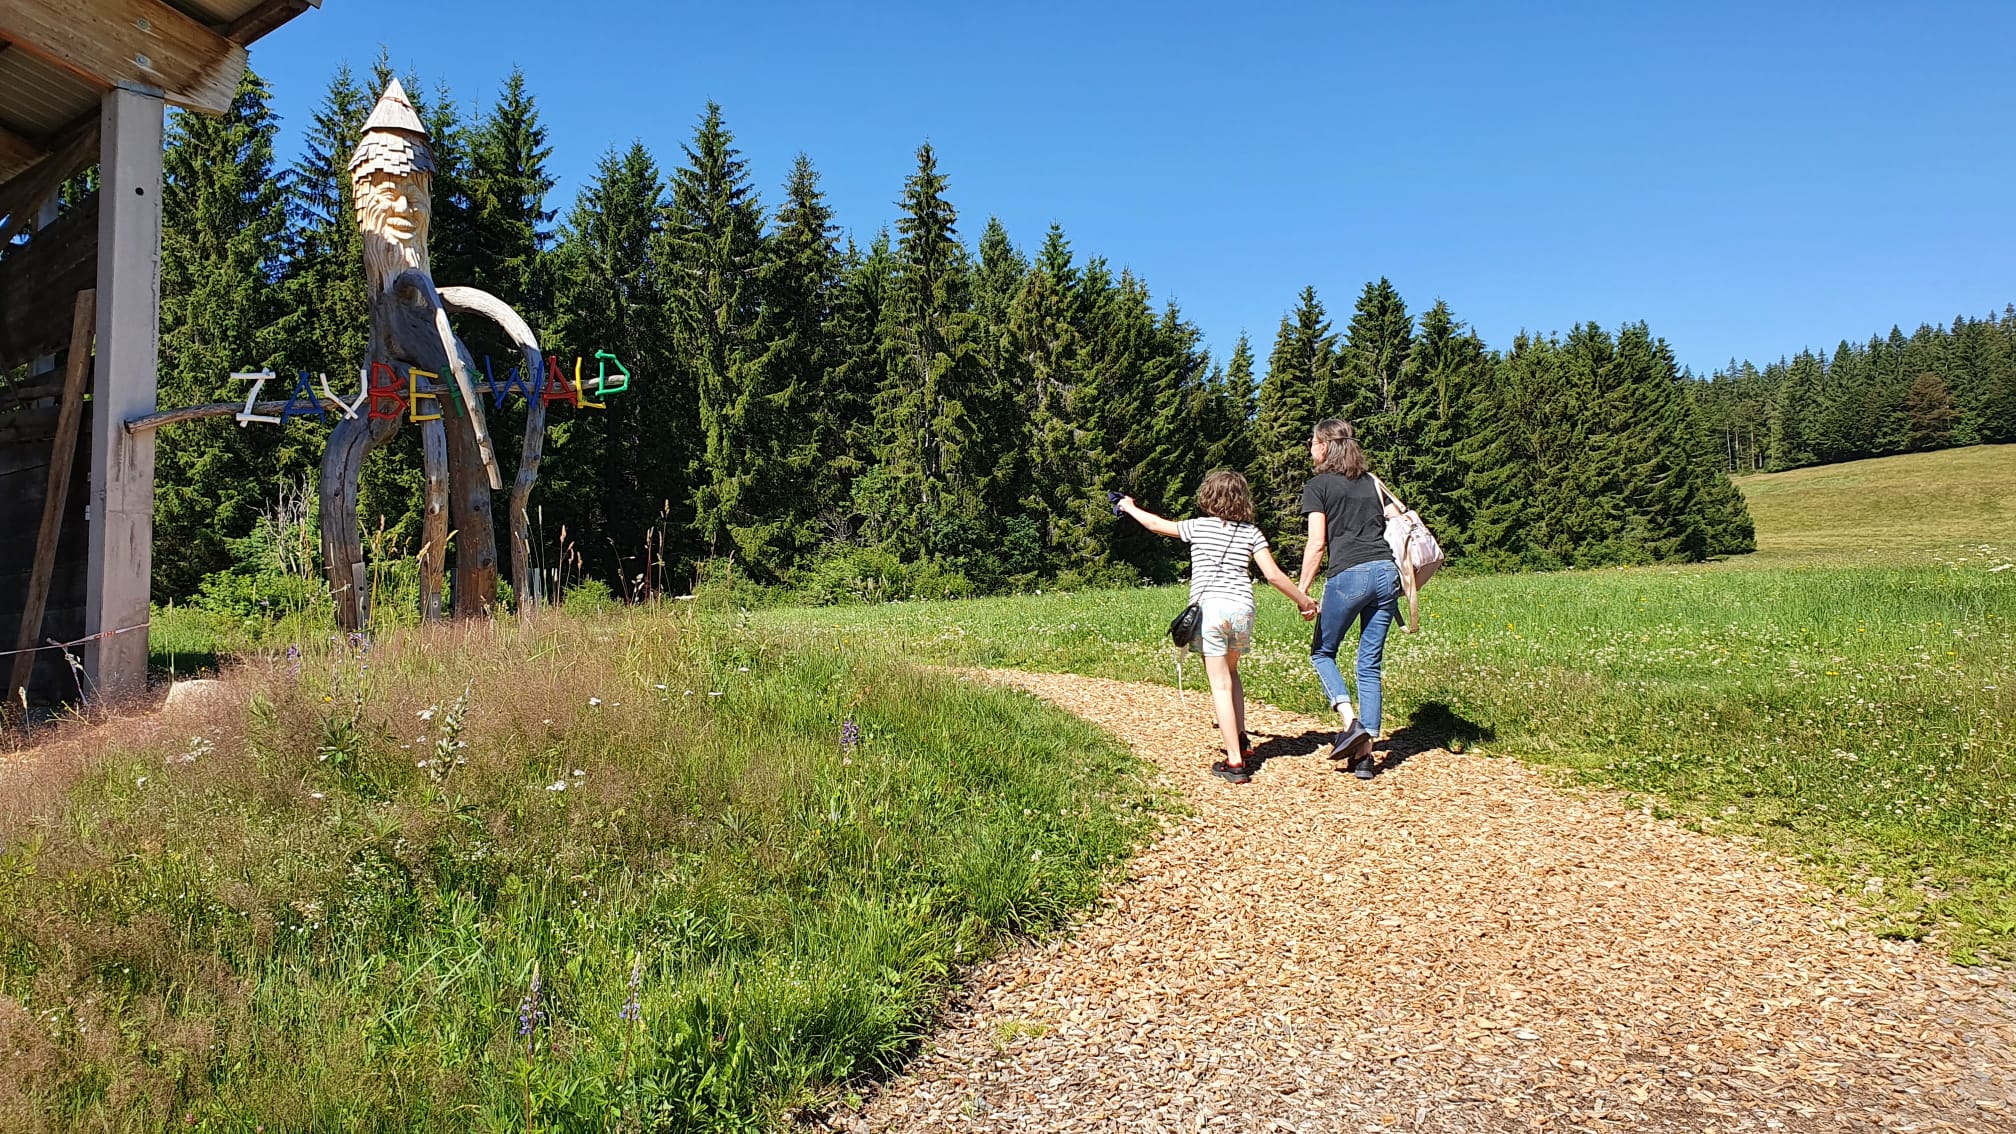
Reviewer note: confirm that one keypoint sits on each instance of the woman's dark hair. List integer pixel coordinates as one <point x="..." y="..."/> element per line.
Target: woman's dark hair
<point x="1224" y="494"/>
<point x="1341" y="453"/>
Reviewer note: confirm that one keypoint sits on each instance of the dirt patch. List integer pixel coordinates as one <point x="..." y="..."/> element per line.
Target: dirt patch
<point x="1455" y="945"/>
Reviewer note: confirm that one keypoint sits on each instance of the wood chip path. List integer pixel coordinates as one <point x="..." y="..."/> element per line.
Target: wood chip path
<point x="1455" y="945"/>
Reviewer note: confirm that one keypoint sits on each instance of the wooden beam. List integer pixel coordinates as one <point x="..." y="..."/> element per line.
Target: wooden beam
<point x="60" y="457"/>
<point x="144" y="44"/>
<point x="17" y="152"/>
<point x="263" y="19"/>
<point x="129" y="324"/>
<point x="35" y="278"/>
<point x="22" y="195"/>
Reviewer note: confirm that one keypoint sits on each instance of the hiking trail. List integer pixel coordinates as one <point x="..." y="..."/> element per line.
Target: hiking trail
<point x="1456" y="945"/>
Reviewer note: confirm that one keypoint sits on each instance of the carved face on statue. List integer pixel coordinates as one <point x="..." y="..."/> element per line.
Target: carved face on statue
<point x="395" y="207"/>
<point x="391" y="178"/>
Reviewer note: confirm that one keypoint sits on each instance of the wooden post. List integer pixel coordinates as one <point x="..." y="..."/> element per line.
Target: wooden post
<point x="434" y="521"/>
<point x="60" y="458"/>
<point x="123" y="387"/>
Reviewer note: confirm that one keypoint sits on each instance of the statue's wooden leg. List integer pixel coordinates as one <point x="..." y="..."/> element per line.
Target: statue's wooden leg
<point x="474" y="301"/>
<point x="342" y="544"/>
<point x="469" y="512"/>
<point x="434" y="526"/>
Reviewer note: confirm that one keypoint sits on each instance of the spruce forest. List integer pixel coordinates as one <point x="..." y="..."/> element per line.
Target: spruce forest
<point x="937" y="411"/>
<point x="1940" y="388"/>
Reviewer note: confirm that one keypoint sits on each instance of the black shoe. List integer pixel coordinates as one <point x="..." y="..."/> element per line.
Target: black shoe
<point x="1240" y="774"/>
<point x="1350" y="743"/>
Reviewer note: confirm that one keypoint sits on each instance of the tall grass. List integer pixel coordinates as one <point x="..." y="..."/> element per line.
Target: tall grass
<point x="602" y="874"/>
<point x="1859" y="718"/>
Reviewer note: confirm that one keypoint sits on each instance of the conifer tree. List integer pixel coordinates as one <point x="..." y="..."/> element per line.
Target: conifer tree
<point x="852" y="387"/>
<point x="508" y="183"/>
<point x="1371" y="361"/>
<point x="931" y="453"/>
<point x="1047" y="352"/>
<point x="1229" y="435"/>
<point x="1299" y="368"/>
<point x="1929" y="413"/>
<point x="615" y="477"/>
<point x="224" y="226"/>
<point x="1444" y="366"/>
<point x="801" y="425"/>
<point x="1792" y="413"/>
<point x="713" y="252"/>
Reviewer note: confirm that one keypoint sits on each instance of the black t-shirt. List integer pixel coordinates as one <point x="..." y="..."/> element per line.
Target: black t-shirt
<point x="1352" y="517"/>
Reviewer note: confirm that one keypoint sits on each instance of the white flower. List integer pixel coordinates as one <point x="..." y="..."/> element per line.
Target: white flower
<point x="557" y="785"/>
<point x="314" y="795"/>
<point x="742" y="669"/>
<point x="715" y="693"/>
<point x="427" y="714"/>
<point x="579" y="772"/>
<point x="660" y="685"/>
<point x="594" y="700"/>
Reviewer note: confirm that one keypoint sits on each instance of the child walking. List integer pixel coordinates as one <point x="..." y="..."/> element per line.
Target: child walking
<point x="1222" y="541"/>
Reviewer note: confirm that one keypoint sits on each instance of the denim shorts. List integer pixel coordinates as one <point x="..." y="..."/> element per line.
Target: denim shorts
<point x="1227" y="628"/>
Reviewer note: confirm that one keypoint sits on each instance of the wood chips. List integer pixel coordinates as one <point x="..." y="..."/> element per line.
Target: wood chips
<point x="1455" y="945"/>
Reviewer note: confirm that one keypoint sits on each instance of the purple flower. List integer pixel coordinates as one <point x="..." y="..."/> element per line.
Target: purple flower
<point x="293" y="663"/>
<point x="632" y="1009"/>
<point x="850" y="736"/>
<point x="530" y="1013"/>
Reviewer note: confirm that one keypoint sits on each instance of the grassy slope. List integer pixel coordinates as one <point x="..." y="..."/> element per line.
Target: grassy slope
<point x="296" y="916"/>
<point x="1920" y="508"/>
<point x="1854" y="714"/>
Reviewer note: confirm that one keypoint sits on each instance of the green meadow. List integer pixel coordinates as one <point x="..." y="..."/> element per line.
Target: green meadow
<point x="1843" y="694"/>
<point x="687" y="867"/>
<point x="619" y="872"/>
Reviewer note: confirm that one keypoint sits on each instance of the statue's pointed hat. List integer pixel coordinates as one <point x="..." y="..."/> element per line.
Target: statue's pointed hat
<point x="395" y="140"/>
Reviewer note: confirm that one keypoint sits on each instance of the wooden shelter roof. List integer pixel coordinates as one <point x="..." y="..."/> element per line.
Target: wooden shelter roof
<point x="59" y="57"/>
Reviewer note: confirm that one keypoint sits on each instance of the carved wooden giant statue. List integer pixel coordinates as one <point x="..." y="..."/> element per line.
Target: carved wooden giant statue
<point x="391" y="177"/>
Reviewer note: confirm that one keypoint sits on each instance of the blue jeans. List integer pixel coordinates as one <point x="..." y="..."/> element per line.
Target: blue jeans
<point x="1368" y="594"/>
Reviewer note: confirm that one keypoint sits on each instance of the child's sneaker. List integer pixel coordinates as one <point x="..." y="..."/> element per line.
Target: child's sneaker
<point x="1232" y="774"/>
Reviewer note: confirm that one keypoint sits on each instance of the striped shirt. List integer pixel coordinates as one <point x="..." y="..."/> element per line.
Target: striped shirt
<point x="1219" y="552"/>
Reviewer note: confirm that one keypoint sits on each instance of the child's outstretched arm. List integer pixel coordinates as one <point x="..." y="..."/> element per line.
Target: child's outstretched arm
<point x="1283" y="583"/>
<point x="1149" y="520"/>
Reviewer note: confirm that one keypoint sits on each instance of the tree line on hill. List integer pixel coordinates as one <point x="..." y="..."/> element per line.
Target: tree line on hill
<point x="910" y="414"/>
<point x="1938" y="388"/>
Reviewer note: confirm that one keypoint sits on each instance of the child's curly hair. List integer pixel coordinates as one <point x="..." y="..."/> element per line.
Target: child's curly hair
<point x="1224" y="494"/>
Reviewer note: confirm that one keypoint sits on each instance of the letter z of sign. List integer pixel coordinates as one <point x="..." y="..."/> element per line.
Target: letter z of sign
<point x="246" y="416"/>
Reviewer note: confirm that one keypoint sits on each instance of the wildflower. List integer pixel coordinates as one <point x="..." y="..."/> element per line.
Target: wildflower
<point x="427" y="714"/>
<point x="742" y="669"/>
<point x="594" y="700"/>
<point x="715" y="693"/>
<point x="632" y="1010"/>
<point x="293" y="662"/>
<point x="578" y="772"/>
<point x="314" y="795"/>
<point x="850" y="736"/>
<point x="530" y="1013"/>
<point x="557" y="785"/>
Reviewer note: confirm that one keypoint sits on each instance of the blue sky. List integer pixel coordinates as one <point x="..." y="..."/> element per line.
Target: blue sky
<point x="1747" y="178"/>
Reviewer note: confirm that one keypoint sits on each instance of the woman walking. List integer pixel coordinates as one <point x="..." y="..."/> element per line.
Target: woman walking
<point x="1222" y="542"/>
<point x="1347" y="521"/>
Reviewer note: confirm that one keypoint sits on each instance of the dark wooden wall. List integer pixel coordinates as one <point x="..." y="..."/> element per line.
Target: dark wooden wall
<point x="27" y="433"/>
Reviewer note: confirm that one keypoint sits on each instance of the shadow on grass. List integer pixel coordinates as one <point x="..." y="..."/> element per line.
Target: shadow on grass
<point x="1433" y="726"/>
